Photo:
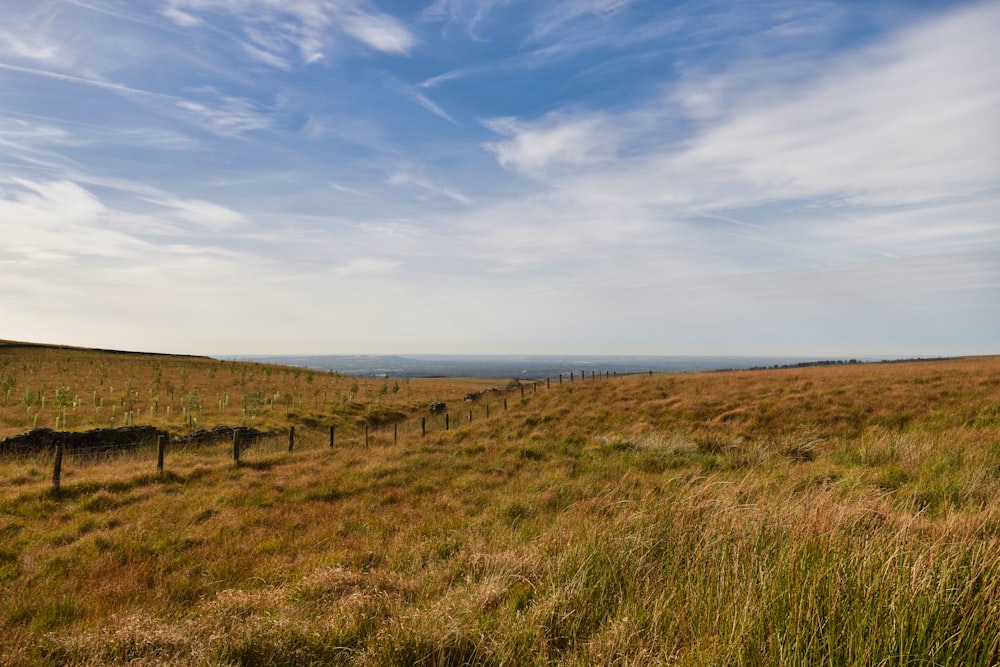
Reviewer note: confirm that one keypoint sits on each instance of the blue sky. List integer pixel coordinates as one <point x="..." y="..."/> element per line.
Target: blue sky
<point x="501" y="176"/>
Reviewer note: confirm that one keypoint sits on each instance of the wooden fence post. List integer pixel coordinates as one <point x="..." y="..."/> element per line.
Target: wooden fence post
<point x="522" y="392"/>
<point x="57" y="467"/>
<point x="423" y="426"/>
<point x="548" y="383"/>
<point x="332" y="430"/>
<point x="160" y="446"/>
<point x="560" y="378"/>
<point x="395" y="434"/>
<point x="505" y="403"/>
<point x="446" y="424"/>
<point x="291" y="438"/>
<point x="236" y="446"/>
<point x="487" y="410"/>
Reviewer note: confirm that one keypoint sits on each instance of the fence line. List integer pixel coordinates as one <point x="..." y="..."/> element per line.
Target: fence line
<point x="362" y="433"/>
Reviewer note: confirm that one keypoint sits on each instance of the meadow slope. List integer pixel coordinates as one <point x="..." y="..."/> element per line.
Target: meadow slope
<point x="836" y="515"/>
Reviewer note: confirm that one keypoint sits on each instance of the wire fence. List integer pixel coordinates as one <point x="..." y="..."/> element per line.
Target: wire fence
<point x="246" y="446"/>
<point x="77" y="464"/>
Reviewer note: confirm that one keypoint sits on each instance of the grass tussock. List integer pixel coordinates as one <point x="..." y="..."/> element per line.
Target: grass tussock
<point x="780" y="517"/>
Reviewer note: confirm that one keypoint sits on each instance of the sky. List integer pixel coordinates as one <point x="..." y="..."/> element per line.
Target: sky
<point x="501" y="176"/>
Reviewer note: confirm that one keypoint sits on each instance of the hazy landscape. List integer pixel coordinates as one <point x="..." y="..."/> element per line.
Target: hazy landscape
<point x="841" y="514"/>
<point x="499" y="332"/>
<point x="523" y="367"/>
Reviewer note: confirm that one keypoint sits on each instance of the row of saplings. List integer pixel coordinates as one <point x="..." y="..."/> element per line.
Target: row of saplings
<point x="105" y="440"/>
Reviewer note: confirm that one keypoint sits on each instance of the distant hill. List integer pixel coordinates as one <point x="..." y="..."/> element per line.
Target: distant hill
<point x="51" y="346"/>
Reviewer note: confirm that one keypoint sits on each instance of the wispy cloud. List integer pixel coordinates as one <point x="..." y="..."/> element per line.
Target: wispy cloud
<point x="558" y="15"/>
<point x="226" y="115"/>
<point x="43" y="142"/>
<point x="73" y="221"/>
<point x="94" y="257"/>
<point x="435" y="81"/>
<point x="205" y="214"/>
<point x="37" y="145"/>
<point x="553" y="143"/>
<point x="84" y="81"/>
<point x="799" y="168"/>
<point x="22" y="134"/>
<point x="30" y="47"/>
<point x="379" y="31"/>
<point x="274" y="31"/>
<point x="904" y="122"/>
<point x="181" y="17"/>
<point x="29" y="34"/>
<point x="57" y="221"/>
<point x="554" y="30"/>
<point x="266" y="57"/>
<point x="469" y="13"/>
<point x="150" y="137"/>
<point x="426" y="103"/>
<point x="885" y="153"/>
<point x="347" y="190"/>
<point x="406" y="178"/>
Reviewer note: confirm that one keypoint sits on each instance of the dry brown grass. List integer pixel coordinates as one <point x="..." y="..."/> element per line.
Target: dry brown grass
<point x="843" y="515"/>
<point x="102" y="388"/>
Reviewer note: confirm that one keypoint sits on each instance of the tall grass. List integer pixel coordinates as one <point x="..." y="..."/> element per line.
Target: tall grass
<point x="737" y="519"/>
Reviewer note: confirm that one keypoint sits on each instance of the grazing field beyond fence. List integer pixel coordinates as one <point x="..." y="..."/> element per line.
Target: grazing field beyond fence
<point x="827" y="515"/>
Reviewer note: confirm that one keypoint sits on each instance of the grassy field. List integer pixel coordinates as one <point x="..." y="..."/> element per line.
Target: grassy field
<point x="829" y="515"/>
